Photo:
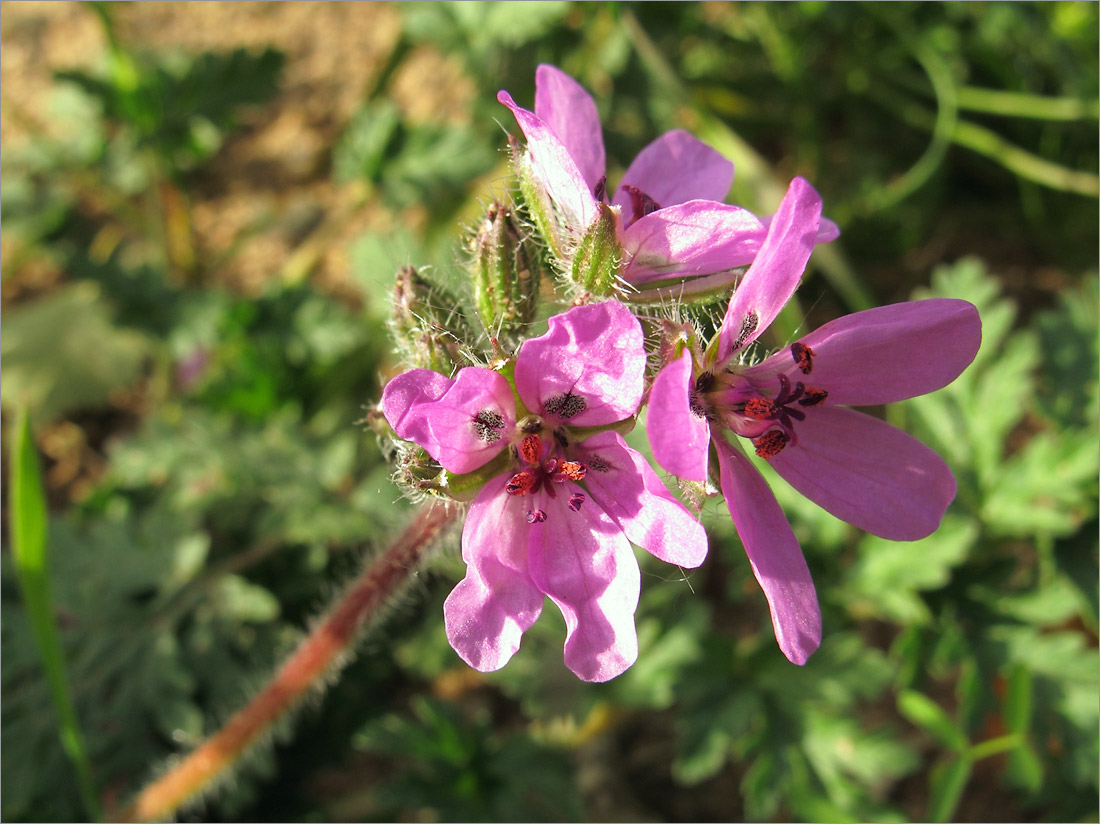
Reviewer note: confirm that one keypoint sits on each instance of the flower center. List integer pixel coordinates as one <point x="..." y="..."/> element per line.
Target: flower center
<point x="768" y="420"/>
<point x="540" y="468"/>
<point x="641" y="204"/>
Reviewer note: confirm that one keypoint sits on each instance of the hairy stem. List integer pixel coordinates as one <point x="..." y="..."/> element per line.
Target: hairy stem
<point x="316" y="657"/>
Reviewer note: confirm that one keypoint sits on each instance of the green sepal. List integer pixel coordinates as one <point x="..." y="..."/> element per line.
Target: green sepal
<point x="595" y="264"/>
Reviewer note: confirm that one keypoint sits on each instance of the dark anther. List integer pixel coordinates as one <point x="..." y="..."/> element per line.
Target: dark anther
<point x="704" y="382"/>
<point x="575" y="501"/>
<point x="771" y="443"/>
<point x="748" y="326"/>
<point x="601" y="189"/>
<point x="641" y="203"/>
<point x="566" y="406"/>
<point x="488" y="425"/>
<point x="560" y="438"/>
<point x="803" y="357"/>
<point x="812" y="397"/>
<point x="536" y="516"/>
<point x="530" y="425"/>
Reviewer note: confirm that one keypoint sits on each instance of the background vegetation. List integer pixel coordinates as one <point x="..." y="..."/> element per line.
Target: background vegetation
<point x="203" y="207"/>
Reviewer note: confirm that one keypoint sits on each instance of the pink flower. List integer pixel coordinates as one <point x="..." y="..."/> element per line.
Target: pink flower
<point x="562" y="506"/>
<point x="790" y="407"/>
<point x="672" y="221"/>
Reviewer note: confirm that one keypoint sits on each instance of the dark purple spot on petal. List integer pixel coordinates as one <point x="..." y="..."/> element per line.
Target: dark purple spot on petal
<point x="536" y="516"/>
<point x="748" y="326"/>
<point x="488" y="425"/>
<point x="565" y="406"/>
<point x="599" y="464"/>
<point x="575" y="501"/>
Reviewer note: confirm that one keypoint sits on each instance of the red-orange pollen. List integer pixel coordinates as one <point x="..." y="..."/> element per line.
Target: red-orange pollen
<point x="803" y="357"/>
<point x="760" y="409"/>
<point x="771" y="443"/>
<point x="530" y="449"/>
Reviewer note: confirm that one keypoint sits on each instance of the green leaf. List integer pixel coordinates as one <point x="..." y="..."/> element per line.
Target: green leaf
<point x="29" y="546"/>
<point x="927" y="714"/>
<point x="946" y="785"/>
<point x="889" y="575"/>
<point x="61" y="352"/>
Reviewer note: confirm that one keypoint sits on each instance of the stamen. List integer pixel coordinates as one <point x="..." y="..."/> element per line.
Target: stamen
<point x="575" y="501"/>
<point x="531" y="449"/>
<point x="530" y="425"/>
<point x="642" y="203"/>
<point x="704" y="382"/>
<point x="536" y="516"/>
<point x="771" y="443"/>
<point x="572" y="470"/>
<point x="803" y="357"/>
<point x="521" y="483"/>
<point x="761" y="409"/>
<point x="748" y="326"/>
<point x="565" y="406"/>
<point x="812" y="396"/>
<point x="601" y="189"/>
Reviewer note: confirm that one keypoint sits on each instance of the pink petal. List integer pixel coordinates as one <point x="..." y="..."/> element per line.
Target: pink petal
<point x="867" y="473"/>
<point x="679" y="438"/>
<point x="889" y="353"/>
<point x="675" y="168"/>
<point x="570" y="112"/>
<point x="774" y="553"/>
<point x="777" y="270"/>
<point x="827" y="231"/>
<point x="694" y="238"/>
<point x="628" y="489"/>
<point x="585" y="564"/>
<point x="490" y="609"/>
<point x="554" y="168"/>
<point x="587" y="370"/>
<point x="456" y="421"/>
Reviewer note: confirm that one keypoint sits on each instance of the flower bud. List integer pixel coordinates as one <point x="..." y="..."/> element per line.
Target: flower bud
<point x="506" y="281"/>
<point x="428" y="327"/>
<point x="595" y="264"/>
<point x="535" y="203"/>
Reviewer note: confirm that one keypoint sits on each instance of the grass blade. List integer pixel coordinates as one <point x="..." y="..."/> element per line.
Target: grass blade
<point x="27" y="509"/>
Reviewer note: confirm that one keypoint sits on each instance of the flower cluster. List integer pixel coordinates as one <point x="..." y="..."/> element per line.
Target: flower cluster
<point x="533" y="440"/>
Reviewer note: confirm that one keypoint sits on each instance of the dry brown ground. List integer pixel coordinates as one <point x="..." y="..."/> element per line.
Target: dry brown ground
<point x="275" y="173"/>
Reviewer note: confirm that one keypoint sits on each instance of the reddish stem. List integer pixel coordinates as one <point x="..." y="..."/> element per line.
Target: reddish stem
<point x="321" y="651"/>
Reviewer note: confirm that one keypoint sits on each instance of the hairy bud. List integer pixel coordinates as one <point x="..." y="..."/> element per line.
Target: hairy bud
<point x="506" y="281"/>
<point x="427" y="325"/>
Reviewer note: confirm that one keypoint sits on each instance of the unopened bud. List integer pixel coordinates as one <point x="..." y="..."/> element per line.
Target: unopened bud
<point x="595" y="264"/>
<point x="535" y="204"/>
<point x="506" y="283"/>
<point x="428" y="327"/>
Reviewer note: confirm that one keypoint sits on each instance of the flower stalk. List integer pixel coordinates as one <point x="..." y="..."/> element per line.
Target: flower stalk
<point x="324" y="650"/>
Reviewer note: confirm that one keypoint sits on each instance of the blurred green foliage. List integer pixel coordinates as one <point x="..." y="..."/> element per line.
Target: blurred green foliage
<point x="958" y="675"/>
